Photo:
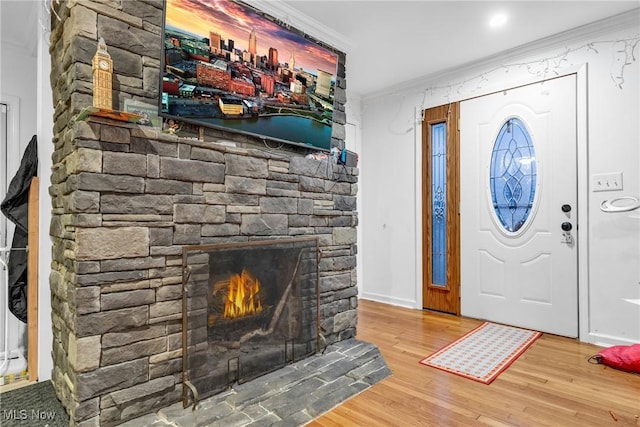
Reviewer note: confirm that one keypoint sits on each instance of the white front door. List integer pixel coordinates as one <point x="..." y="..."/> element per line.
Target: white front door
<point x="518" y="185"/>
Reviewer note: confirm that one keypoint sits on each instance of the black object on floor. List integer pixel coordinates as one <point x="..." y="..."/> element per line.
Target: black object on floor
<point x="34" y="406"/>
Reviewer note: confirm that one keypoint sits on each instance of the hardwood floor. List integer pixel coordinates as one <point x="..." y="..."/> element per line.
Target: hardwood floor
<point x="551" y="384"/>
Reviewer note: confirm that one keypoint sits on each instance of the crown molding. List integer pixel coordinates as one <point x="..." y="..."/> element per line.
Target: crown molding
<point x="298" y="20"/>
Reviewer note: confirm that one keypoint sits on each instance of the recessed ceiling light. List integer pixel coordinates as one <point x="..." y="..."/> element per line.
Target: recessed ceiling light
<point x="498" y="20"/>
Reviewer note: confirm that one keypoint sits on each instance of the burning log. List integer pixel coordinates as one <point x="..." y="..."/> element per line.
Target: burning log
<point x="243" y="297"/>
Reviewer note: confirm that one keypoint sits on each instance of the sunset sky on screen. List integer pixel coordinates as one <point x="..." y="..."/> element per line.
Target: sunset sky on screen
<point x="232" y="21"/>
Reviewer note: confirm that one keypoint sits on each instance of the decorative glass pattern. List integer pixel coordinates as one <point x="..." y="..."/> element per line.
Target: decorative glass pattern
<point x="513" y="175"/>
<point x="439" y="204"/>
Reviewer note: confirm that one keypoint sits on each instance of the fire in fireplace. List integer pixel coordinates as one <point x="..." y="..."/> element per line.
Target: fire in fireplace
<point x="243" y="295"/>
<point x="248" y="309"/>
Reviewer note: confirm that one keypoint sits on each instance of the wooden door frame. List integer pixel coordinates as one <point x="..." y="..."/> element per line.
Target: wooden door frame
<point x="449" y="296"/>
<point x="33" y="225"/>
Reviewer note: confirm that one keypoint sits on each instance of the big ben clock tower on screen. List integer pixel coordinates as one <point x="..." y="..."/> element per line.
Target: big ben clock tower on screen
<point x="102" y="77"/>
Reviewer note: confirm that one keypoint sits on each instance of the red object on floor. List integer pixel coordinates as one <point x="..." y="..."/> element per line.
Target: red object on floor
<point x="624" y="357"/>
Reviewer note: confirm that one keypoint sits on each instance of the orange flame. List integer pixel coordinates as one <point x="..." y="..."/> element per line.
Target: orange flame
<point x="243" y="298"/>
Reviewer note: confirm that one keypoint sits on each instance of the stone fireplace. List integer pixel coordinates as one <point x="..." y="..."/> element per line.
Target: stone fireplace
<point x="128" y="199"/>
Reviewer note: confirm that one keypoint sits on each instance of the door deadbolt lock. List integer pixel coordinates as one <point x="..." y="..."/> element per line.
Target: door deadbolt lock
<point x="566" y="208"/>
<point x="566" y="226"/>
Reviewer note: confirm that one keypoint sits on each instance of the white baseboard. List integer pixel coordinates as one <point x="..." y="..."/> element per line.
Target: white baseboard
<point x="603" y="340"/>
<point x="401" y="302"/>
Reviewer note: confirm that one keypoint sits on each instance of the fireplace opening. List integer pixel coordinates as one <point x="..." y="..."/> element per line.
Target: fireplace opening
<point x="248" y="309"/>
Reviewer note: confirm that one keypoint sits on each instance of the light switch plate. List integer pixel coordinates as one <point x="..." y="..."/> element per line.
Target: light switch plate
<point x="607" y="181"/>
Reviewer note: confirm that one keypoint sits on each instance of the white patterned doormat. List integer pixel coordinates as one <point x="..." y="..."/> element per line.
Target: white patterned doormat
<point x="484" y="352"/>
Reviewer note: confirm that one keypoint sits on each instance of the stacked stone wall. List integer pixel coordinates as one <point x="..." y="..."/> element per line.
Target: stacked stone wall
<point x="122" y="213"/>
<point x="127" y="198"/>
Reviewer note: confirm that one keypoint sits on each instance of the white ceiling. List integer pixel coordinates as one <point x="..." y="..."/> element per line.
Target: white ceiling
<point x="18" y="24"/>
<point x="393" y="41"/>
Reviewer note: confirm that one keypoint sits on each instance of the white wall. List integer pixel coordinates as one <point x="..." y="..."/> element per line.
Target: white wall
<point x="19" y="82"/>
<point x="45" y="150"/>
<point x="388" y="187"/>
<point x="610" y="243"/>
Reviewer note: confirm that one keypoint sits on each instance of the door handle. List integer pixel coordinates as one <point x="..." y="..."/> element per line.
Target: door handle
<point x="566" y="235"/>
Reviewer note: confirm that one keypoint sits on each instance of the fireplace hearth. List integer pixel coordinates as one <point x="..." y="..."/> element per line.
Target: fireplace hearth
<point x="248" y="309"/>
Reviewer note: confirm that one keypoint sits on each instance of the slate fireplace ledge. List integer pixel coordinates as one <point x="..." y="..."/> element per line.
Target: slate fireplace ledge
<point x="293" y="395"/>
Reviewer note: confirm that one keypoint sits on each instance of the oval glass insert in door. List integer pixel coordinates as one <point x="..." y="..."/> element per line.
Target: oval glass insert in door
<point x="512" y="176"/>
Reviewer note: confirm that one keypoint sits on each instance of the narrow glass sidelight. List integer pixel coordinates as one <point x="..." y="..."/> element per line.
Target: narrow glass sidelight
<point x="439" y="204"/>
<point x="513" y="175"/>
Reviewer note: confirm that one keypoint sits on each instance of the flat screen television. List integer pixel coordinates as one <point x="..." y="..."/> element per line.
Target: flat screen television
<point x="228" y="66"/>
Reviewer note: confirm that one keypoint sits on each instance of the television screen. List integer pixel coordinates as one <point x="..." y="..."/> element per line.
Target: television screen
<point x="228" y="66"/>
